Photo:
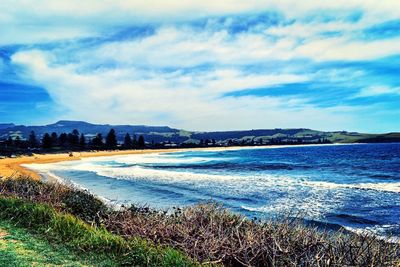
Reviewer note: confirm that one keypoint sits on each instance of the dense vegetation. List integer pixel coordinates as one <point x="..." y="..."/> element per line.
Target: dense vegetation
<point x="205" y="232"/>
<point x="75" y="141"/>
<point x="78" y="136"/>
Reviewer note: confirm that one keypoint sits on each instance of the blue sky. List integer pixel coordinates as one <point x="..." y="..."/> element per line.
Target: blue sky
<point x="203" y="65"/>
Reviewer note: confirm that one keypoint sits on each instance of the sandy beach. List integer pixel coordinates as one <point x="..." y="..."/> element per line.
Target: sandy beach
<point x="11" y="167"/>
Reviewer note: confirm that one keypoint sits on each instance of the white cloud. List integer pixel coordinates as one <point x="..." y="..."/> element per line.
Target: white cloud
<point x="30" y="21"/>
<point x="344" y="49"/>
<point x="377" y="91"/>
<point x="31" y="34"/>
<point x="178" y="74"/>
<point x="177" y="9"/>
<point x="164" y="99"/>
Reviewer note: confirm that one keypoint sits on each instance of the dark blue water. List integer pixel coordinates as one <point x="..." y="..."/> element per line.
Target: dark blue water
<point x="355" y="186"/>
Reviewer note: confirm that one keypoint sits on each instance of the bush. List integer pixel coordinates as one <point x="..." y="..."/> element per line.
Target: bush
<point x="24" y="187"/>
<point x="84" y="205"/>
<point x="209" y="233"/>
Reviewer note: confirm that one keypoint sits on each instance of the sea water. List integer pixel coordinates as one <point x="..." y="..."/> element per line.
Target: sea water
<point x="353" y="186"/>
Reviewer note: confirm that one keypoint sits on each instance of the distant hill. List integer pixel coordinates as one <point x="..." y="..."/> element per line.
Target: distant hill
<point x="168" y="134"/>
<point x="6" y="125"/>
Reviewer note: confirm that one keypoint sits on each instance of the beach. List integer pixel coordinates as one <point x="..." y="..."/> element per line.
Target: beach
<point x="11" y="167"/>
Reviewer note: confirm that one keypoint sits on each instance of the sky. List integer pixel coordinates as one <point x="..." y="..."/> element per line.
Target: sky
<point x="202" y="65"/>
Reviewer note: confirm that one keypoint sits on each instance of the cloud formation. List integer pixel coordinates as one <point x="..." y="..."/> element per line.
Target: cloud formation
<point x="209" y="65"/>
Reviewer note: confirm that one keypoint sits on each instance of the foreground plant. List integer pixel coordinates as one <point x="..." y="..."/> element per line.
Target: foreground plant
<point x="211" y="234"/>
<point x="72" y="232"/>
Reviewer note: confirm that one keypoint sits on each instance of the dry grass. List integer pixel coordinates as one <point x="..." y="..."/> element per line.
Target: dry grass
<point x="209" y="233"/>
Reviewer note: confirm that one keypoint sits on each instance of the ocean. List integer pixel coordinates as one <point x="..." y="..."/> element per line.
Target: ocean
<point x="352" y="186"/>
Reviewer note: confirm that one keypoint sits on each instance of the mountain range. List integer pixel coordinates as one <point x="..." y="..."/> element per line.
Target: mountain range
<point x="168" y="134"/>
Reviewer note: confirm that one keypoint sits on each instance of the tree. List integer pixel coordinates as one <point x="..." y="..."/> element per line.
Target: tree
<point x="62" y="139"/>
<point x="111" y="139"/>
<point x="82" y="141"/>
<point x="18" y="142"/>
<point x="127" y="141"/>
<point x="9" y="142"/>
<point x="73" y="138"/>
<point x="134" y="141"/>
<point x="46" y="141"/>
<point x="98" y="141"/>
<point x="32" y="139"/>
<point x="54" y="139"/>
<point x="141" y="142"/>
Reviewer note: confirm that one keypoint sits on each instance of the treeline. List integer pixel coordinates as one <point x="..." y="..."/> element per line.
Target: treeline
<point x="73" y="141"/>
<point x="76" y="141"/>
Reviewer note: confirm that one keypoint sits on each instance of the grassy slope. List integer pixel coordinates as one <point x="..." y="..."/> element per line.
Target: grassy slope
<point x="73" y="233"/>
<point x="18" y="247"/>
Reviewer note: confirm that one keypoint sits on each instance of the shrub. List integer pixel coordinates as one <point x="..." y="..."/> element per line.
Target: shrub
<point x="209" y="233"/>
<point x="84" y="205"/>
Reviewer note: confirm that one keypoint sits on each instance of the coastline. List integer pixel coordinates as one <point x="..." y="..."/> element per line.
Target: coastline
<point x="13" y="167"/>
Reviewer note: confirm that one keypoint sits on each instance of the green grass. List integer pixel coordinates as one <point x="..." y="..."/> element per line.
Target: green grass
<point x="18" y="247"/>
<point x="59" y="228"/>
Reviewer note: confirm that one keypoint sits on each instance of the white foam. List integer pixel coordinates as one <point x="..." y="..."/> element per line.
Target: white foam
<point x="387" y="187"/>
<point x="137" y="172"/>
<point x="45" y="170"/>
<point x="377" y="231"/>
<point x="164" y="159"/>
<point x="155" y="158"/>
<point x="255" y="180"/>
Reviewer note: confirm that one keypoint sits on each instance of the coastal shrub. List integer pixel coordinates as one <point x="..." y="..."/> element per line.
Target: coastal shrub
<point x="209" y="233"/>
<point x="25" y="187"/>
<point x="84" y="205"/>
<point x="33" y="190"/>
<point x="75" y="201"/>
<point x="76" y="234"/>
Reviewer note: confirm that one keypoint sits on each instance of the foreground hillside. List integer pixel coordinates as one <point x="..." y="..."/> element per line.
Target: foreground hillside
<point x="159" y="134"/>
<point x="19" y="247"/>
<point x="140" y="236"/>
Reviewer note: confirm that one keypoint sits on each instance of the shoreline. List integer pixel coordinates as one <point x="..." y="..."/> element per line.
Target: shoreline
<point x="13" y="167"/>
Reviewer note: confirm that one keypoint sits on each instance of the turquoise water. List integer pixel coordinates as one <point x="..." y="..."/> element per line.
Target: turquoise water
<point x="354" y="186"/>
